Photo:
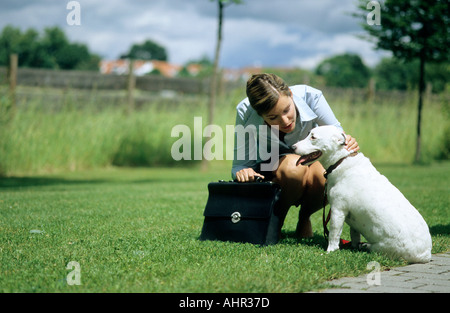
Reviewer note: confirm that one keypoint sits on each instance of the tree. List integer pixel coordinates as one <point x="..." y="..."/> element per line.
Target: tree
<point x="206" y="68"/>
<point x="58" y="51"/>
<point x="148" y="50"/>
<point x="51" y="50"/>
<point x="213" y="87"/>
<point x="392" y="73"/>
<point x="347" y="70"/>
<point x="31" y="50"/>
<point x="9" y="43"/>
<point x="412" y="30"/>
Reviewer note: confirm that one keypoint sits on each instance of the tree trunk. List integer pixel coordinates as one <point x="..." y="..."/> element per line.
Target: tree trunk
<point x="131" y="84"/>
<point x="214" y="78"/>
<point x="419" y="111"/>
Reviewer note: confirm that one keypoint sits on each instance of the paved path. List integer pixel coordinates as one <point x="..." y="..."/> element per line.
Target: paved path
<point x="418" y="278"/>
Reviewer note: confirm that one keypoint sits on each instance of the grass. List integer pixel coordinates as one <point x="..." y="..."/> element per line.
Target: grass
<point x="387" y="131"/>
<point x="136" y="230"/>
<point x="43" y="138"/>
<point x="69" y="134"/>
<point x="63" y="198"/>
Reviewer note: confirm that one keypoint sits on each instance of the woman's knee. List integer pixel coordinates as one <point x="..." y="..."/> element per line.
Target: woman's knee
<point x="288" y="171"/>
<point x="313" y="196"/>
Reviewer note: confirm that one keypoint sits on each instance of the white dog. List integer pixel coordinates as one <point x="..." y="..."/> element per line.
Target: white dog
<point x="359" y="195"/>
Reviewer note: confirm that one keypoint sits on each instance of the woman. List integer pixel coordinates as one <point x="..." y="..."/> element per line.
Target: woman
<point x="294" y="111"/>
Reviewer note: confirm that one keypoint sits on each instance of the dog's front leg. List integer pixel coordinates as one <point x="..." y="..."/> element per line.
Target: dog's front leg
<point x="336" y="224"/>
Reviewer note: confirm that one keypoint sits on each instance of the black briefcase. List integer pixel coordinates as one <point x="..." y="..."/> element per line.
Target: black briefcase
<point x="242" y="212"/>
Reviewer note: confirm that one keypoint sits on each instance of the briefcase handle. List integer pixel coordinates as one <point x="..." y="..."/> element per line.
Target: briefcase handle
<point x="257" y="179"/>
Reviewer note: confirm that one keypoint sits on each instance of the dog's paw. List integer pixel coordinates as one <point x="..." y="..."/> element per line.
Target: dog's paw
<point x="332" y="248"/>
<point x="364" y="246"/>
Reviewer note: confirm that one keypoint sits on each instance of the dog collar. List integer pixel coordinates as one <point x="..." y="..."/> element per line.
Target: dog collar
<point x="333" y="167"/>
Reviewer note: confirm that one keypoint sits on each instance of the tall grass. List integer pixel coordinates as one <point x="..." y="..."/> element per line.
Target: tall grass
<point x="386" y="132"/>
<point x="69" y="135"/>
<point x="38" y="140"/>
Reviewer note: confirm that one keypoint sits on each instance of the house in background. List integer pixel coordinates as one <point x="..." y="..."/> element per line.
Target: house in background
<point x="144" y="67"/>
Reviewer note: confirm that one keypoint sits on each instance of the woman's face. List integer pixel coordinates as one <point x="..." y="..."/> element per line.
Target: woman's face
<point x="282" y="115"/>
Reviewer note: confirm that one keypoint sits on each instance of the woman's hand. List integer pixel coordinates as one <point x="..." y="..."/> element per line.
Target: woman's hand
<point x="247" y="175"/>
<point x="351" y="143"/>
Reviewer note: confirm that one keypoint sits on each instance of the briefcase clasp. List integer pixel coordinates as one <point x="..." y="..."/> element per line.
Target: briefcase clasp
<point x="235" y="217"/>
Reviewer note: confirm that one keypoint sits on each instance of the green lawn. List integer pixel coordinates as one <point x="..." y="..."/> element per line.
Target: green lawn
<point x="136" y="230"/>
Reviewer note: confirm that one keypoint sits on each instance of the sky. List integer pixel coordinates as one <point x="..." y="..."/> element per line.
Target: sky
<point x="282" y="33"/>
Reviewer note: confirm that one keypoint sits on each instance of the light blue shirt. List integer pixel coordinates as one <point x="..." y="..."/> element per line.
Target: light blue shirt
<point x="313" y="110"/>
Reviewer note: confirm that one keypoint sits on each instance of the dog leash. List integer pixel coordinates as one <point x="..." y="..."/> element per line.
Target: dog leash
<point x="327" y="219"/>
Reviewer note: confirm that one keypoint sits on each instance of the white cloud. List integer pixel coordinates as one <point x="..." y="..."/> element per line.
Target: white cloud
<point x="244" y="32"/>
<point x="325" y="47"/>
<point x="309" y="62"/>
<point x="268" y="32"/>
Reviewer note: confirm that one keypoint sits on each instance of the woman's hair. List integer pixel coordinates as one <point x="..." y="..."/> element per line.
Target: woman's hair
<point x="264" y="91"/>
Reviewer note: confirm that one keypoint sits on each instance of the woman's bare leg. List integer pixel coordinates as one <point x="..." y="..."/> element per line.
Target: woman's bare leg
<point x="300" y="185"/>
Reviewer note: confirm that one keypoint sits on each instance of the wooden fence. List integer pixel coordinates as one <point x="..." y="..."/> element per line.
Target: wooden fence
<point x="94" y="80"/>
<point x="89" y="80"/>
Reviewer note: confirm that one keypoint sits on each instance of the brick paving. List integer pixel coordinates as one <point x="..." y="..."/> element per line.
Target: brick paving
<point x="432" y="277"/>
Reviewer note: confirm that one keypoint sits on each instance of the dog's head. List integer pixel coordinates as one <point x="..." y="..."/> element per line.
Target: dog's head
<point x="325" y="143"/>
